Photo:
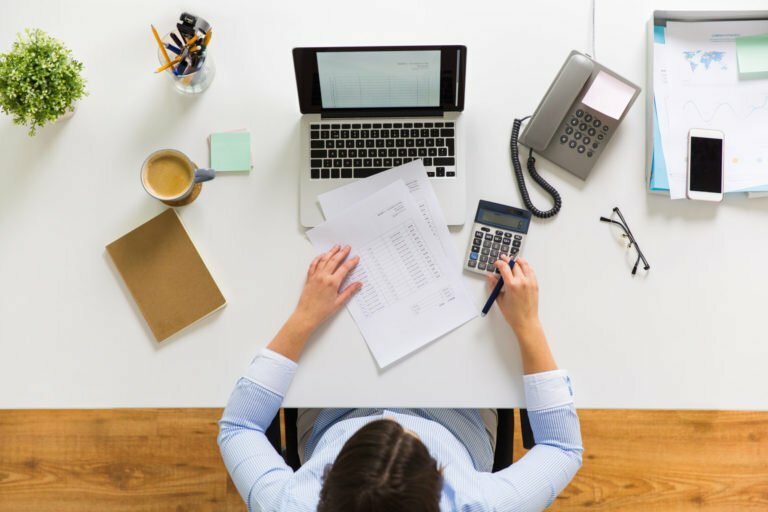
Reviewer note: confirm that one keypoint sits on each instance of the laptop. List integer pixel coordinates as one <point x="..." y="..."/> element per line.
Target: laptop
<point x="368" y="109"/>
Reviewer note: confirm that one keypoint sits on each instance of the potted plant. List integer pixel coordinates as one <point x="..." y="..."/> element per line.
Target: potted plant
<point x="39" y="80"/>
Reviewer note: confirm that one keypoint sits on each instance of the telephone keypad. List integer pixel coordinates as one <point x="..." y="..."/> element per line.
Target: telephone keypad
<point x="584" y="132"/>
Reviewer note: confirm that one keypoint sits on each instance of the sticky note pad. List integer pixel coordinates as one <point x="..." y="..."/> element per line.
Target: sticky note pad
<point x="231" y="152"/>
<point x="752" y="56"/>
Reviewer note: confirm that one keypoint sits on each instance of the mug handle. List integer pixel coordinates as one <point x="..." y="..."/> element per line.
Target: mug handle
<point x="202" y="175"/>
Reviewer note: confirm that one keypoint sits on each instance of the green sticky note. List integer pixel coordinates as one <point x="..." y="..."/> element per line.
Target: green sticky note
<point x="752" y="55"/>
<point x="231" y="152"/>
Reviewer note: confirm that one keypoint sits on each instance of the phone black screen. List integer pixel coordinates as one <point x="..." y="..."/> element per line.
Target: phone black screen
<point x="706" y="165"/>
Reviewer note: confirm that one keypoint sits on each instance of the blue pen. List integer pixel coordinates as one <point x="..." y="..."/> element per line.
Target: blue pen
<point x="496" y="291"/>
<point x="173" y="48"/>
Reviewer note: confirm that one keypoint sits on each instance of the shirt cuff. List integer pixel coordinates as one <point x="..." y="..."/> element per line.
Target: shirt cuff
<point x="272" y="371"/>
<point x="546" y="390"/>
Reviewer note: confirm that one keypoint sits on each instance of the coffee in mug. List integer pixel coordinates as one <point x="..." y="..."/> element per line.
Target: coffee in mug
<point x="169" y="175"/>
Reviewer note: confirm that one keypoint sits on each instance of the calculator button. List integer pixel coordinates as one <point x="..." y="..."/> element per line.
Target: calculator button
<point x="583" y="126"/>
<point x="579" y="113"/>
<point x="473" y="255"/>
<point x="478" y="233"/>
<point x="499" y="233"/>
<point x="569" y="130"/>
<point x="490" y="266"/>
<point x="488" y="236"/>
<point x="600" y="136"/>
<point x="483" y="259"/>
<point x="504" y="249"/>
<point x="495" y="254"/>
<point x="595" y="145"/>
<point x="514" y="250"/>
<point x="577" y="135"/>
<point x="477" y="241"/>
<point x="574" y="122"/>
<point x="486" y="229"/>
<point x="471" y="263"/>
<point x="481" y="266"/>
<point x="485" y="252"/>
<point x="587" y="118"/>
<point x="581" y="149"/>
<point x="496" y="245"/>
<point x="605" y="128"/>
<point x="487" y="243"/>
<point x="498" y="238"/>
<point x="475" y="248"/>
<point x="518" y="237"/>
<point x="591" y="132"/>
<point x="586" y="140"/>
<point x="596" y="123"/>
<point x="563" y="139"/>
<point x="572" y="144"/>
<point x="589" y="154"/>
<point x="516" y="243"/>
<point x="507" y="235"/>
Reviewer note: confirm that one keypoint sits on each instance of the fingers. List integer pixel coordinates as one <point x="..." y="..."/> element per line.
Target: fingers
<point x="347" y="293"/>
<point x="335" y="260"/>
<point x="491" y="280"/>
<point x="346" y="268"/>
<point x="506" y="272"/>
<point x="313" y="265"/>
<point x="325" y="257"/>
<point x="527" y="270"/>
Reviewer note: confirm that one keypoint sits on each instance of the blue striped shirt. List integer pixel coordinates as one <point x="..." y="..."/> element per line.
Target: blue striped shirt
<point x="456" y="438"/>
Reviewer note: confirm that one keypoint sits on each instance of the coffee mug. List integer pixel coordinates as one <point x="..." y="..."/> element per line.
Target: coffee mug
<point x="170" y="176"/>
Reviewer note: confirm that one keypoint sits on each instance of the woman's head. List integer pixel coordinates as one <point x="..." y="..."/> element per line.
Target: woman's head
<point x="382" y="467"/>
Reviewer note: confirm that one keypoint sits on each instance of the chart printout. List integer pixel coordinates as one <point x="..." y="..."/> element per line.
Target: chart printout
<point x="410" y="296"/>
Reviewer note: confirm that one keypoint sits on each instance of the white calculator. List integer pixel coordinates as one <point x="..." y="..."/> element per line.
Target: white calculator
<point x="498" y="229"/>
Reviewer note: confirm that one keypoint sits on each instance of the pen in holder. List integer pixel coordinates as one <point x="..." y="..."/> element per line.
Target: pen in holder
<point x="184" y="56"/>
<point x="189" y="78"/>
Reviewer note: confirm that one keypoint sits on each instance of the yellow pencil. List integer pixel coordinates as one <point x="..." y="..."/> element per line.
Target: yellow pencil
<point x="161" y="45"/>
<point x="207" y="37"/>
<point x="169" y="64"/>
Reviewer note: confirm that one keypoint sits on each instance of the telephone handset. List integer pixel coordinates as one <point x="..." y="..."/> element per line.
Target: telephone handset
<point x="574" y="121"/>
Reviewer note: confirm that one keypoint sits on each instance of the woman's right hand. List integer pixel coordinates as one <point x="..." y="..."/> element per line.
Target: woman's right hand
<point x="519" y="297"/>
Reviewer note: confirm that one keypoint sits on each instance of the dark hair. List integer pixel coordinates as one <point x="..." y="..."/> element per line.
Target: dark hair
<point x="382" y="468"/>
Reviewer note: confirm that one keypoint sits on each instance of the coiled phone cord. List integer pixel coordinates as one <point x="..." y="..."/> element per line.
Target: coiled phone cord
<point x="531" y="165"/>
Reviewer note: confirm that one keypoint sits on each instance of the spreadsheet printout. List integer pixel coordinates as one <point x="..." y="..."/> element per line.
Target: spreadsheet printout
<point x="410" y="294"/>
<point x="413" y="174"/>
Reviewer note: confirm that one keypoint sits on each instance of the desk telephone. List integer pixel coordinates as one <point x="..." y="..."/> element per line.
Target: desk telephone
<point x="574" y="121"/>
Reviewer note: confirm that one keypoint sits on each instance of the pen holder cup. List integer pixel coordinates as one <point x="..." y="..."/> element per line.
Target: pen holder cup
<point x="186" y="82"/>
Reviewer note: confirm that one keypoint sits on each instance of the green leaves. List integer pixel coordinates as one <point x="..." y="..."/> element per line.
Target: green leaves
<point x="39" y="80"/>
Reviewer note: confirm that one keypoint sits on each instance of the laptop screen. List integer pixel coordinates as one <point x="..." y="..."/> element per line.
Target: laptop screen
<point x="363" y="80"/>
<point x="379" y="79"/>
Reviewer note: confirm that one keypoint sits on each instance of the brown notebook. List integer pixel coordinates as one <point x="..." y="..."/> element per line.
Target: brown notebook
<point x="165" y="274"/>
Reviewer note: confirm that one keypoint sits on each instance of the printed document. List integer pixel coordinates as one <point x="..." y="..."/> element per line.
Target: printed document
<point x="411" y="295"/>
<point x="414" y="175"/>
<point x="697" y="86"/>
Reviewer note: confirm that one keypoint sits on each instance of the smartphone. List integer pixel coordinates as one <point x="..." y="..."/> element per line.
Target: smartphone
<point x="705" y="165"/>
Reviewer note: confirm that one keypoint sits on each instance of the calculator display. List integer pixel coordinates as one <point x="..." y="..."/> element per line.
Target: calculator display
<point x="502" y="220"/>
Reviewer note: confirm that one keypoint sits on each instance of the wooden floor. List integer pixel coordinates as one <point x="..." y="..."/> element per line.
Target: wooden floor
<point x="168" y="460"/>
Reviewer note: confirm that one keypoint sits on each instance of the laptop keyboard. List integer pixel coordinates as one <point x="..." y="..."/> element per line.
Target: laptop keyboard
<point x="359" y="150"/>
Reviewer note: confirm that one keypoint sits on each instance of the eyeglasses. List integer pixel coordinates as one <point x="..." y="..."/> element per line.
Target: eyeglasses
<point x="625" y="235"/>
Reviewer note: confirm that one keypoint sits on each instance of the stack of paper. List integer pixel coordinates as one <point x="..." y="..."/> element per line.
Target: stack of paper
<point x="412" y="291"/>
<point x="697" y="85"/>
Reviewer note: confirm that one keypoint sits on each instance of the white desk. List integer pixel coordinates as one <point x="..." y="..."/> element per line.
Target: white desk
<point x="690" y="334"/>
